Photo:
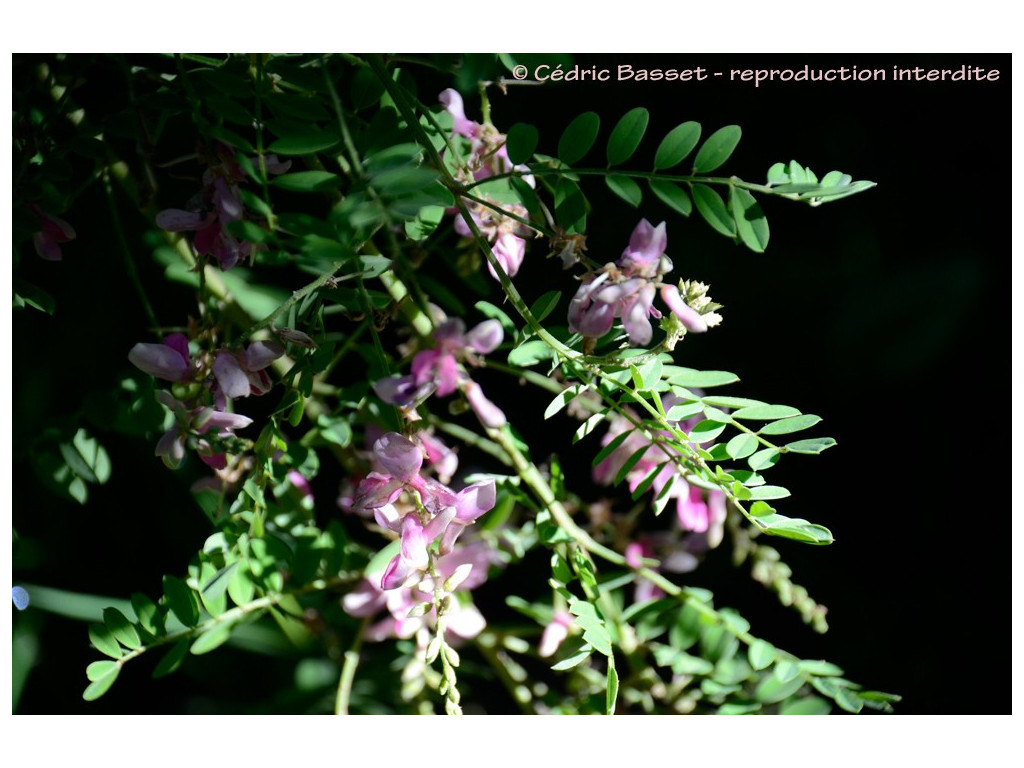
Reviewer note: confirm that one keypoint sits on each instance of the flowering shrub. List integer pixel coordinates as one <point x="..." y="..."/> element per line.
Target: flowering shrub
<point x="343" y="223"/>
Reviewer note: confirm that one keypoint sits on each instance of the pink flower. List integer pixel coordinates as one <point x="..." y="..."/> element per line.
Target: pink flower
<point x="437" y="370"/>
<point x="218" y="204"/>
<point x="555" y="633"/>
<point x="441" y="513"/>
<point x="240" y="374"/>
<point x="169" y="361"/>
<point x="54" y="232"/>
<point x="627" y="290"/>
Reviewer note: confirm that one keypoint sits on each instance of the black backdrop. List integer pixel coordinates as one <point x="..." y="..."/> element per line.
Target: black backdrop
<point x="887" y="314"/>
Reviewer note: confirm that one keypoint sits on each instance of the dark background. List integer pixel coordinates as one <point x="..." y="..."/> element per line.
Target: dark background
<point x="886" y="313"/>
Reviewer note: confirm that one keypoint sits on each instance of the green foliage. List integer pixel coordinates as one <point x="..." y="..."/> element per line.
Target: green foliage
<point x="349" y="287"/>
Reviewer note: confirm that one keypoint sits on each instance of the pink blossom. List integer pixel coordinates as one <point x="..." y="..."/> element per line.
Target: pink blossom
<point x="169" y="360"/>
<point x="627" y="290"/>
<point x="555" y="633"/>
<point x="54" y="232"/>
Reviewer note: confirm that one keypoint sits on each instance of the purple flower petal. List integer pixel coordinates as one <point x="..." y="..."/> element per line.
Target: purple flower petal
<point x="486" y="337"/>
<point x="489" y="414"/>
<point x="260" y="354"/>
<point x="177" y="220"/>
<point x="232" y="378"/>
<point x="399" y="456"/>
<point x="687" y="315"/>
<point x="475" y="501"/>
<point x="163" y="361"/>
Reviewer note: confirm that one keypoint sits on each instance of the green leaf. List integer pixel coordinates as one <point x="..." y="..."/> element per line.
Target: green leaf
<point x="121" y="628"/>
<point x="717" y="149"/>
<point x="521" y="143"/>
<point x="103" y="641"/>
<point x="307" y="181"/>
<point x="147" y="613"/>
<point x="562" y="399"/>
<point x="181" y="600"/>
<point x="629" y="463"/>
<point x="403" y="180"/>
<point x="545" y="305"/>
<point x="99" y="669"/>
<point x="27" y="294"/>
<point x="241" y="588"/>
<point x="762" y="492"/>
<point x="305" y="143"/>
<point x="100" y="684"/>
<point x="806" y="705"/>
<point x="706" y="431"/>
<point x="793" y="528"/>
<point x="724" y="401"/>
<point x="529" y="353"/>
<point x="820" y="667"/>
<point x="611" y="690"/>
<point x="677" y="144"/>
<point x="785" y="670"/>
<point x="211" y="639"/>
<point x="751" y="223"/>
<point x="573" y="659"/>
<point x="849" y="700"/>
<point x="690" y="377"/>
<point x="761" y="654"/>
<point x="607" y="450"/>
<point x="791" y="424"/>
<point x="710" y="206"/>
<point x="587" y="427"/>
<point x="769" y="457"/>
<point x="813" y="446"/>
<point x="739" y="708"/>
<point x="578" y="137"/>
<point x="683" y="411"/>
<point x="765" y="412"/>
<point x="172" y="659"/>
<point x="86" y="458"/>
<point x="741" y="446"/>
<point x="771" y="689"/>
<point x="627" y="135"/>
<point x="600" y="639"/>
<point x="672" y="195"/>
<point x="570" y="206"/>
<point x="625" y="188"/>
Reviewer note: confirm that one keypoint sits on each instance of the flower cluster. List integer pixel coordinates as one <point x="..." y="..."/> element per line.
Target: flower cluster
<point x="437" y="370"/>
<point x="216" y="206"/>
<point x="626" y="289"/>
<point x="488" y="157"/>
<point x="429" y="512"/>
<point x="462" y="571"/>
<point x="204" y="416"/>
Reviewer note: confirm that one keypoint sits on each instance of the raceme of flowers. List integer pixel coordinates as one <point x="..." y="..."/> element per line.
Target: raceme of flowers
<point x="218" y="204"/>
<point x="438" y="370"/>
<point x="204" y="415"/>
<point x="488" y="157"/>
<point x="626" y="289"/>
